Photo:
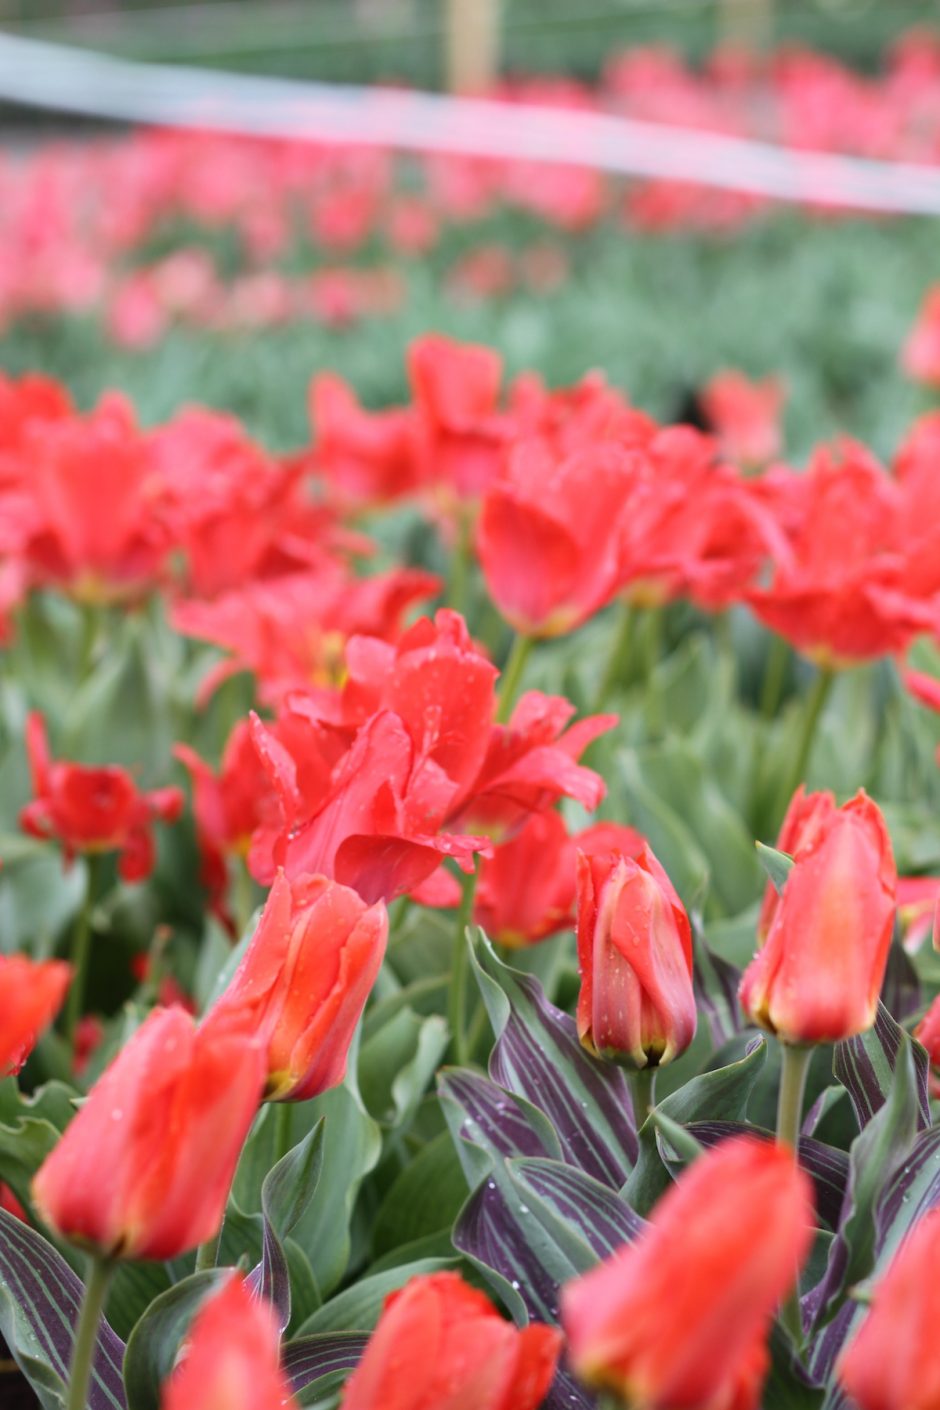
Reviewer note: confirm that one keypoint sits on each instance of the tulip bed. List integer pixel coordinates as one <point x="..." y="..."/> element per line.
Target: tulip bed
<point x="396" y="1012"/>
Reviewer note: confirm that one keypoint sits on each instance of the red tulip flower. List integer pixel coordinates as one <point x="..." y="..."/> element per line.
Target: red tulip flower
<point x="682" y="1316"/>
<point x="807" y="815"/>
<point x="441" y="1345"/>
<point x="144" y="1169"/>
<point x="90" y="809"/>
<point x="636" y="1004"/>
<point x="927" y="1033"/>
<point x="818" y="976"/>
<point x="231" y="1357"/>
<point x="745" y="416"/>
<point x="549" y="535"/>
<point x="367" y="458"/>
<point x="31" y="994"/>
<point x="921" y="356"/>
<point x="455" y="388"/>
<point x="304" y="981"/>
<point x="892" y="1363"/>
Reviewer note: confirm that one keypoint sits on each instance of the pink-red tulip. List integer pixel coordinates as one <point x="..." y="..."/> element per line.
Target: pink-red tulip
<point x="636" y="1004"/>
<point x="144" y="1169"/>
<point x="31" y="995"/>
<point x="441" y="1345"/>
<point x="807" y="815"/>
<point x="681" y="1317"/>
<point x="818" y="976"/>
<point x="231" y="1358"/>
<point x="304" y="981"/>
<point x="892" y="1364"/>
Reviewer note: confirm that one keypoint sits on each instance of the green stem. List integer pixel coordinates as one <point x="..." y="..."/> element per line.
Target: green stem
<point x="652" y="650"/>
<point x="457" y="998"/>
<point x="775" y="674"/>
<point x="620" y="653"/>
<point x="512" y="675"/>
<point x="282" y="1130"/>
<point x="91" y="622"/>
<point x="459" y="586"/>
<point x="207" y="1254"/>
<point x="815" y="703"/>
<point x="86" y="1335"/>
<point x="642" y="1086"/>
<point x="794" y="1071"/>
<point x="80" y="949"/>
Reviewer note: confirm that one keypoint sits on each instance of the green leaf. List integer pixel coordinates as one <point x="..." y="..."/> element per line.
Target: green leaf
<point x="425" y="1198"/>
<point x="719" y="1095"/>
<point x="777" y="865"/>
<point x="397" y="1063"/>
<point x="357" y="1308"/>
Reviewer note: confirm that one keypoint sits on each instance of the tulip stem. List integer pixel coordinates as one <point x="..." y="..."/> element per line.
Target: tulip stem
<point x="207" y="1254"/>
<point x="86" y="1333"/>
<point x="815" y="702"/>
<point x="459" y="585"/>
<point x="642" y="1086"/>
<point x="512" y="675"/>
<point x="457" y="998"/>
<point x="795" y="1068"/>
<point x="620" y="653"/>
<point x="80" y="948"/>
<point x="774" y="676"/>
<point x="282" y="1130"/>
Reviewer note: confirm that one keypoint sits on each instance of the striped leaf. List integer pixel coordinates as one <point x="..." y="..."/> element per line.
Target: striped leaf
<point x="318" y="1365"/>
<point x="153" y="1344"/>
<point x="865" y="1067"/>
<point x="40" y="1299"/>
<point x="537" y="1055"/>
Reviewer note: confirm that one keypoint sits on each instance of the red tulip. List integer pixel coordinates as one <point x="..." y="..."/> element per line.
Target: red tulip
<point x="818" y="976"/>
<point x="927" y="1033"/>
<point x="441" y="1345"/>
<point x="807" y="815"/>
<point x="455" y="387"/>
<point x="31" y="995"/>
<point x="921" y="355"/>
<point x="231" y="1357"/>
<point x="919" y="910"/>
<point x="745" y="416"/>
<point x="892" y="1363"/>
<point x="89" y="809"/>
<point x="144" y="1169"/>
<point x="549" y="535"/>
<point x="304" y="980"/>
<point x="367" y="458"/>
<point x="681" y="1317"/>
<point x="636" y="1003"/>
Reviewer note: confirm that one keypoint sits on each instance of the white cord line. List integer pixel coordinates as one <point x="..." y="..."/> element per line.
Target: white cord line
<point x="71" y="80"/>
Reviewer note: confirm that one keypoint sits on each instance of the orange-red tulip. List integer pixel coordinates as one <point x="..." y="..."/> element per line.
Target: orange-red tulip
<point x="680" y="1318"/>
<point x="636" y="1003"/>
<point x="441" y="1345"/>
<point x="818" y="976"/>
<point x="231" y="1360"/>
<point x="892" y="1364"/>
<point x="807" y="815"/>
<point x="144" y="1169"/>
<point x="304" y="981"/>
<point x="31" y="995"/>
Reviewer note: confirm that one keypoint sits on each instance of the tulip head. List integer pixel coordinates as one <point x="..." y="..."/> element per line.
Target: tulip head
<point x="144" y="1169"/>
<point x="892" y="1363"/>
<point x="681" y="1316"/>
<point x="818" y="976"/>
<point x="31" y="994"/>
<point x="304" y="981"/>
<point x="441" y="1345"/>
<point x="807" y="815"/>
<point x="636" y="1004"/>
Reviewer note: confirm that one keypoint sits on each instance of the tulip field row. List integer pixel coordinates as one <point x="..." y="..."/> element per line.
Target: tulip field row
<point x="470" y="845"/>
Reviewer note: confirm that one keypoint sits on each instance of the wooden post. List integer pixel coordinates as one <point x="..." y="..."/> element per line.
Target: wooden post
<point x="472" y="44"/>
<point x="747" y="24"/>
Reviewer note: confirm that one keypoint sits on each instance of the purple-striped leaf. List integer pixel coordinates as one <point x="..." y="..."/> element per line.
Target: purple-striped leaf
<point x="604" y="1220"/>
<point x="288" y="1188"/>
<point x="40" y="1298"/>
<point x="716" y="992"/>
<point x="316" y="1366"/>
<point x="538" y="1056"/>
<point x="865" y="1067"/>
<point x="900" y="992"/>
<point x="876" y="1153"/>
<point x="912" y="1192"/>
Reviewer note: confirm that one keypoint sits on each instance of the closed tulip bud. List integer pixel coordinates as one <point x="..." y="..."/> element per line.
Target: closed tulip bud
<point x="144" y="1169"/>
<point x="893" y="1362"/>
<point x="807" y="815"/>
<point x="927" y="1033"/>
<point x="681" y="1316"/>
<point x="441" y="1345"/>
<point x="636" y="1004"/>
<point x="304" y="981"/>
<point x="232" y="1357"/>
<point x="31" y="995"/>
<point x="818" y="976"/>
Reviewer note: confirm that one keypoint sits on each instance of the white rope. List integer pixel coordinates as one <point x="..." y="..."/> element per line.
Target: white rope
<point x="69" y="80"/>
